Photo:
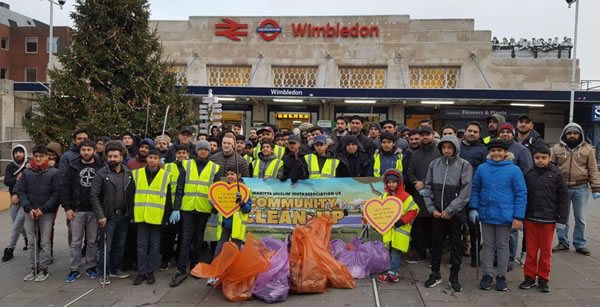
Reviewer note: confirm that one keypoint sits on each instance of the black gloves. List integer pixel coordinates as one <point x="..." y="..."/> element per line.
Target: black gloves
<point x="399" y="223"/>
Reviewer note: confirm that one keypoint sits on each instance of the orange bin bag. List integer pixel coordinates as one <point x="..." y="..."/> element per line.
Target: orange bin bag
<point x="229" y="254"/>
<point x="337" y="273"/>
<point x="305" y="274"/>
<point x="320" y="229"/>
<point x="237" y="281"/>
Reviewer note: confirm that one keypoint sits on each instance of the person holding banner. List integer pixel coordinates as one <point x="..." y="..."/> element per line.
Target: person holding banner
<point x="199" y="174"/>
<point x="267" y="133"/>
<point x="293" y="161"/>
<point x="234" y="227"/>
<point x="321" y="164"/>
<point x="267" y="165"/>
<point x="355" y="161"/>
<point x="397" y="238"/>
<point x="446" y="194"/>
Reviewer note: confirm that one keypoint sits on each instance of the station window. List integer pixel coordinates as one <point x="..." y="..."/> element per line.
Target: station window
<point x="3" y="73"/>
<point x="31" y="45"/>
<point x="31" y="74"/>
<point x="294" y="76"/>
<point x="434" y="77"/>
<point x="362" y="77"/>
<point x="4" y="43"/>
<point x="228" y="75"/>
<point x="180" y="73"/>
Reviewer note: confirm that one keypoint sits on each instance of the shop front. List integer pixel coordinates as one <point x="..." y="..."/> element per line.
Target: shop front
<point x="288" y="117"/>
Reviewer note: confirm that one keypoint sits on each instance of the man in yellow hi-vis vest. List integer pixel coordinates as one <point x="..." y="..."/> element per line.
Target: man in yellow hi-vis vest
<point x="152" y="195"/>
<point x="170" y="230"/>
<point x="387" y="156"/>
<point x="267" y="165"/>
<point x="321" y="164"/>
<point x="398" y="238"/>
<point x="267" y="133"/>
<point x="199" y="174"/>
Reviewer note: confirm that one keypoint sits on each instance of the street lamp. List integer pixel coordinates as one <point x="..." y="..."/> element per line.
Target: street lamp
<point x="60" y="3"/>
<point x="574" y="67"/>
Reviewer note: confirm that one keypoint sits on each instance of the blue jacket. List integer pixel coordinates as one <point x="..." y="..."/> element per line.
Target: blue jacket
<point x="499" y="192"/>
<point x="475" y="153"/>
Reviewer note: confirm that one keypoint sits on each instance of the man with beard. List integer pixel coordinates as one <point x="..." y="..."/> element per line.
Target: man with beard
<point x="253" y="136"/>
<point x="493" y="122"/>
<point x="389" y="126"/>
<point x="341" y="130"/>
<point x="417" y="172"/>
<point x="267" y="133"/>
<point x="140" y="158"/>
<point x="414" y="142"/>
<point x="112" y="196"/>
<point x="387" y="156"/>
<point x="75" y="198"/>
<point x="523" y="158"/>
<point x="354" y="160"/>
<point x="237" y="129"/>
<point x="293" y="161"/>
<point x="279" y="139"/>
<point x="162" y="144"/>
<point x="17" y="215"/>
<point x="185" y="138"/>
<point x="577" y="162"/>
<point x="199" y="173"/>
<point x="356" y="125"/>
<point x="214" y="145"/>
<point x="374" y="133"/>
<point x="527" y="136"/>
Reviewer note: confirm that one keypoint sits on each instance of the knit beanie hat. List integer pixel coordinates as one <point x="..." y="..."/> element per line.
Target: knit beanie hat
<point x="507" y="126"/>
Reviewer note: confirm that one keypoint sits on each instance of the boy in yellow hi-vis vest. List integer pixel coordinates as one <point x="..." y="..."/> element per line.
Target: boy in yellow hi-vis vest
<point x="398" y="238"/>
<point x="152" y="195"/>
<point x="233" y="227"/>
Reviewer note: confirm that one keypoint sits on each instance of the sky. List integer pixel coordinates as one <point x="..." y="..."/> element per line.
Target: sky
<point x="505" y="18"/>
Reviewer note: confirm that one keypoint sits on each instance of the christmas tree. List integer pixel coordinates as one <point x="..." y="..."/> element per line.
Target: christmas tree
<point x="112" y="76"/>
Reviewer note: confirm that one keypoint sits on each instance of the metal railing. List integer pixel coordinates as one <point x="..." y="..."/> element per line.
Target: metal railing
<point x="590" y="85"/>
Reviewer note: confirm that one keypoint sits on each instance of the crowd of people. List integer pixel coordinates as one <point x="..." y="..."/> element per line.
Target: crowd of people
<point x="131" y="205"/>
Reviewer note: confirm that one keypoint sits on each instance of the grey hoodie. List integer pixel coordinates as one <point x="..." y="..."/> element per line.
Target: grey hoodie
<point x="448" y="182"/>
<point x="264" y="162"/>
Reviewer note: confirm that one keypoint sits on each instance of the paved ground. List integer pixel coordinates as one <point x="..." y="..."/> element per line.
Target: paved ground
<point x="575" y="281"/>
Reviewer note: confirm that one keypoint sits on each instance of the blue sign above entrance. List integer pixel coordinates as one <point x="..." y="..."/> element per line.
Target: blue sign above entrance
<point x="596" y="113"/>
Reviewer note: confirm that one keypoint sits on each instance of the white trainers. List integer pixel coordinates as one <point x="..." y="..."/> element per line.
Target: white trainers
<point x="42" y="275"/>
<point x="211" y="282"/>
<point x="31" y="276"/>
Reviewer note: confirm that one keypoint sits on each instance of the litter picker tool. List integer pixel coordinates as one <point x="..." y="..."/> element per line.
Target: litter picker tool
<point x="35" y="245"/>
<point x="105" y="251"/>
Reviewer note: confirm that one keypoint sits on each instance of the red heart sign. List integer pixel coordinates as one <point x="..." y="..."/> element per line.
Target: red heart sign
<point x="223" y="196"/>
<point x="382" y="214"/>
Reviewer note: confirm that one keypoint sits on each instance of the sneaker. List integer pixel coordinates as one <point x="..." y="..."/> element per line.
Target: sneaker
<point x="501" y="283"/>
<point x="92" y="273"/>
<point x="211" y="282"/>
<point x="150" y="278"/>
<point x="510" y="267"/>
<point x="42" y="275"/>
<point x="416" y="259"/>
<point x="527" y="284"/>
<point x="486" y="282"/>
<point x="394" y="278"/>
<point x="73" y="276"/>
<point x="178" y="279"/>
<point x="8" y="254"/>
<point x="139" y="279"/>
<point x="559" y="248"/>
<point x="543" y="285"/>
<point x="385" y="278"/>
<point x="164" y="266"/>
<point x="31" y="276"/>
<point x="584" y="251"/>
<point x="103" y="281"/>
<point x="119" y="274"/>
<point x="454" y="285"/>
<point x="434" y="280"/>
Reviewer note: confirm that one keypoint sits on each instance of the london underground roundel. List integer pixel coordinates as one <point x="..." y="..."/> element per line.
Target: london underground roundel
<point x="268" y="29"/>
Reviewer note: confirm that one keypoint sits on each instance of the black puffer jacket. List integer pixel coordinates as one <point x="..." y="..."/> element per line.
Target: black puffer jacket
<point x="356" y="165"/>
<point x="39" y="189"/>
<point x="77" y="184"/>
<point x="547" y="197"/>
<point x="102" y="195"/>
<point x="293" y="168"/>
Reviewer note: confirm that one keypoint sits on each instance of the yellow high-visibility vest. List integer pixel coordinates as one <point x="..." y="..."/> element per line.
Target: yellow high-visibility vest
<point x="377" y="164"/>
<point x="272" y="168"/>
<point x="195" y="195"/>
<point x="487" y="139"/>
<point x="150" y="200"/>
<point x="172" y="169"/>
<point x="238" y="227"/>
<point x="248" y="159"/>
<point x="399" y="237"/>
<point x="328" y="171"/>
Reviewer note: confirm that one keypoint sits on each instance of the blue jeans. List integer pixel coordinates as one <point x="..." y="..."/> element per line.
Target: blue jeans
<point x="115" y="231"/>
<point x="579" y="198"/>
<point x="148" y="247"/>
<point x="395" y="260"/>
